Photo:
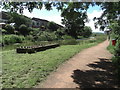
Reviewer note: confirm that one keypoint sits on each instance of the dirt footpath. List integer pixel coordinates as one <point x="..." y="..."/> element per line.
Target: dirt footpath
<point x="88" y="69"/>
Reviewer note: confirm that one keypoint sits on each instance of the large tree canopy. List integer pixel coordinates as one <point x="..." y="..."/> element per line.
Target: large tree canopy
<point x="111" y="12"/>
<point x="74" y="17"/>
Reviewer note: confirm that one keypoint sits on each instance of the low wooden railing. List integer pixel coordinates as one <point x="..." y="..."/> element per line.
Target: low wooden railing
<point x="33" y="49"/>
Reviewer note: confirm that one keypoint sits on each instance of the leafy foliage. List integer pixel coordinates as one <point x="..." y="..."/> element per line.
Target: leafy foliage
<point x="111" y="19"/>
<point x="11" y="39"/>
<point x="23" y="29"/>
<point x="74" y="16"/>
<point x="87" y="32"/>
<point x="20" y="19"/>
<point x="9" y="29"/>
<point x="111" y="13"/>
<point x="52" y="26"/>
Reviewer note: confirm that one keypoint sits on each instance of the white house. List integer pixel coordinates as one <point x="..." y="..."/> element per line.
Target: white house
<point x="38" y="23"/>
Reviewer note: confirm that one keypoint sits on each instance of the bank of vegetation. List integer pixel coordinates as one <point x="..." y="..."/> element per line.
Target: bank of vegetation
<point x="22" y="31"/>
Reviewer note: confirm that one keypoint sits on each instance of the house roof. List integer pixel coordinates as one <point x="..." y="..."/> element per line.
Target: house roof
<point x="37" y="19"/>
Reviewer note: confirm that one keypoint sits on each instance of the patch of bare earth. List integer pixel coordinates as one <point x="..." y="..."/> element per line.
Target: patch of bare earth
<point x="91" y="68"/>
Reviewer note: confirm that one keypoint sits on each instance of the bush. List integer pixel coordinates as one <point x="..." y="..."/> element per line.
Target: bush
<point x="116" y="62"/>
<point x="35" y="31"/>
<point x="46" y="36"/>
<point x="69" y="42"/>
<point x="117" y="49"/>
<point x="65" y="37"/>
<point x="23" y="29"/>
<point x="116" y="59"/>
<point x="11" y="39"/>
<point x="10" y="29"/>
<point x="3" y="31"/>
<point x="60" y="32"/>
<point x="30" y="38"/>
<point x="80" y="37"/>
<point x="52" y="26"/>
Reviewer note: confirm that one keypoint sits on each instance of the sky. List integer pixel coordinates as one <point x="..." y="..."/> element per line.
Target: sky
<point x="54" y="15"/>
<point x="93" y="12"/>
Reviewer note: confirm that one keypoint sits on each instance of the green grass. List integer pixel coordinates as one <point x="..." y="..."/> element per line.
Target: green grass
<point x="27" y="70"/>
<point x="111" y="48"/>
<point x="115" y="59"/>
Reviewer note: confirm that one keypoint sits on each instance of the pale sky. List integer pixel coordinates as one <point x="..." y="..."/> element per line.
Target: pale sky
<point x="93" y="12"/>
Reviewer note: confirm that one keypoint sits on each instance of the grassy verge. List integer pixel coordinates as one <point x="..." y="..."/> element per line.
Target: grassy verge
<point x="111" y="48"/>
<point x="115" y="60"/>
<point x="26" y="70"/>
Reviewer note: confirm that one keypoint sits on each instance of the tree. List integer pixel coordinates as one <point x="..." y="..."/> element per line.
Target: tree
<point x="20" y="19"/>
<point x="74" y="17"/>
<point x="111" y="12"/>
<point x="87" y="31"/>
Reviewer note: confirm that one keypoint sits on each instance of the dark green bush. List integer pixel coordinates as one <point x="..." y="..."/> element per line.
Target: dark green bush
<point x="47" y="36"/>
<point x="80" y="37"/>
<point x="30" y="38"/>
<point x="116" y="58"/>
<point x="11" y="39"/>
<point x="3" y="31"/>
<point x="10" y="29"/>
<point x="116" y="62"/>
<point x="117" y="49"/>
<point x="65" y="37"/>
<point x="52" y="26"/>
<point x="23" y="29"/>
<point x="60" y="32"/>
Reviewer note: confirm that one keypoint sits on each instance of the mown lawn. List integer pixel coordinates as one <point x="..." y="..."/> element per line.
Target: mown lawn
<point x="27" y="70"/>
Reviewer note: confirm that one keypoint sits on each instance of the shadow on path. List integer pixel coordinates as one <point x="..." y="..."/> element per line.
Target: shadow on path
<point x="99" y="76"/>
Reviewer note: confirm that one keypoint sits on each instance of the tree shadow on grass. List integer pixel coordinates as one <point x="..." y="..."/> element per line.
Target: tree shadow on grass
<point x="100" y="76"/>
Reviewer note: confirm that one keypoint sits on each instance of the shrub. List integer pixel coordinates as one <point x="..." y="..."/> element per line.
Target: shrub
<point x="65" y="37"/>
<point x="60" y="32"/>
<point x="23" y="29"/>
<point x="11" y="39"/>
<point x="10" y="29"/>
<point x="30" y="29"/>
<point x="35" y="31"/>
<point x="30" y="37"/>
<point x="52" y="26"/>
<point x="116" y="58"/>
<point x="3" y="31"/>
<point x="117" y="49"/>
<point x="80" y="37"/>
<point x="42" y="38"/>
<point x="47" y="36"/>
<point x="116" y="62"/>
<point x="69" y="42"/>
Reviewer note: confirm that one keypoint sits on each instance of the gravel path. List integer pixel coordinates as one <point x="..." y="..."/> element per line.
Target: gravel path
<point x="88" y="69"/>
